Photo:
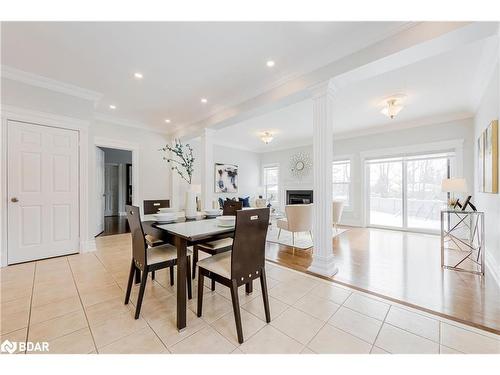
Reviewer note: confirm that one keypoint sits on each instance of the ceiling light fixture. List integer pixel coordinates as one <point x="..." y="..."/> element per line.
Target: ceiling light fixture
<point x="204" y="100"/>
<point x="393" y="105"/>
<point x="138" y="75"/>
<point x="266" y="137"/>
<point x="112" y="106"/>
<point x="270" y="63"/>
<point x="167" y="121"/>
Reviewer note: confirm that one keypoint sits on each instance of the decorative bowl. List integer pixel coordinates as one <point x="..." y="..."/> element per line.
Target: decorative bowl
<point x="213" y="212"/>
<point x="165" y="217"/>
<point x="226" y="221"/>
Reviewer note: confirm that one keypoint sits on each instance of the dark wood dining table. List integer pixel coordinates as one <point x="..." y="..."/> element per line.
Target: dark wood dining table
<point x="184" y="233"/>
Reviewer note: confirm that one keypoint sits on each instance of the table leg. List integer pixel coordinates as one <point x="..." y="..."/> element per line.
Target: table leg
<point x="181" y="246"/>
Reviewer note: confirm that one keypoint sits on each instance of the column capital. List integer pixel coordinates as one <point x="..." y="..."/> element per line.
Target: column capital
<point x="324" y="88"/>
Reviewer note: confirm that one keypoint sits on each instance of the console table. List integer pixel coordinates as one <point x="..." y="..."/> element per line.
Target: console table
<point x="462" y="239"/>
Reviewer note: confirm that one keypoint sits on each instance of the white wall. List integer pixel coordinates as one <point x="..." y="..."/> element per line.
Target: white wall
<point x="489" y="203"/>
<point x="352" y="148"/>
<point x="248" y="163"/>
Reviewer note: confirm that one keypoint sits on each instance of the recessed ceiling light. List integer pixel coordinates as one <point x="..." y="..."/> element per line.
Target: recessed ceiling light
<point x="167" y="121"/>
<point x="270" y="63"/>
<point x="112" y="106"/>
<point x="138" y="75"/>
<point x="204" y="100"/>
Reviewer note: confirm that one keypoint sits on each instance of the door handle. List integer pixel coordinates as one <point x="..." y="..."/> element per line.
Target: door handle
<point x="14" y="200"/>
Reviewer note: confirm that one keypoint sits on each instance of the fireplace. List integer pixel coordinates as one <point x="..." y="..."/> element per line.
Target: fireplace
<point x="299" y="196"/>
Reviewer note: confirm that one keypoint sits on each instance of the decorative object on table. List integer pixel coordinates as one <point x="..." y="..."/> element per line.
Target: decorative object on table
<point x="491" y="158"/>
<point x="226" y="178"/>
<point x="226" y="220"/>
<point x="213" y="212"/>
<point x="462" y="242"/>
<point x="300" y="165"/>
<point x="181" y="159"/>
<point x="260" y="191"/>
<point x="453" y="186"/>
<point x="191" y="204"/>
<point x="166" y="217"/>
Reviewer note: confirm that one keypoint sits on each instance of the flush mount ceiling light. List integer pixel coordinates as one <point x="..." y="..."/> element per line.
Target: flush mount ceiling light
<point x="112" y="106"/>
<point x="138" y="75"/>
<point x="204" y="100"/>
<point x="393" y="105"/>
<point x="266" y="137"/>
<point x="168" y="121"/>
<point x="270" y="63"/>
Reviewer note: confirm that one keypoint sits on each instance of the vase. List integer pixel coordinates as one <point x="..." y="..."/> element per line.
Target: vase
<point x="190" y="204"/>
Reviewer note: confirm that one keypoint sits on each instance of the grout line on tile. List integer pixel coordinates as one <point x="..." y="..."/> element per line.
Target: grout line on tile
<point x="83" y="307"/>
<point x="31" y="306"/>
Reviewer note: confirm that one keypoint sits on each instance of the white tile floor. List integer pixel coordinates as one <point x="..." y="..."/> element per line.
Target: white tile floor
<point x="76" y="303"/>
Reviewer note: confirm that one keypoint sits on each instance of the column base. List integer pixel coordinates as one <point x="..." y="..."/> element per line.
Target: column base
<point x="324" y="266"/>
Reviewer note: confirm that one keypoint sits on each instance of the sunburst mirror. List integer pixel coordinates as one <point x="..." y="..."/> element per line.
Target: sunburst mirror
<point x="300" y="165"/>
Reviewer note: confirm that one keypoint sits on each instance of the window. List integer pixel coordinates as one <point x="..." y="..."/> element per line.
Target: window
<point x="405" y="192"/>
<point x="271" y="189"/>
<point x="342" y="181"/>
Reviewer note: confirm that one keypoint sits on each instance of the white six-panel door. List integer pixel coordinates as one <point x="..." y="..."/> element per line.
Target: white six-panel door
<point x="43" y="192"/>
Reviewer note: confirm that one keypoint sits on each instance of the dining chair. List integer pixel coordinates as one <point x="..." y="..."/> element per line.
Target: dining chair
<point x="298" y="219"/>
<point x="217" y="246"/>
<point x="148" y="259"/>
<point x="338" y="208"/>
<point x="152" y="207"/>
<point x="242" y="265"/>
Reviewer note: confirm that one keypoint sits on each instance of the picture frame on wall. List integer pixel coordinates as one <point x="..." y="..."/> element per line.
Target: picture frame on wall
<point x="490" y="155"/>
<point x="226" y="178"/>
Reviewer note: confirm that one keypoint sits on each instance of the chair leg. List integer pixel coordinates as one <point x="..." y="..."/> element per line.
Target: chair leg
<point x="213" y="285"/>
<point x="311" y="234"/>
<point x="137" y="275"/>
<point x="249" y="287"/>
<point x="171" y="275"/>
<point x="129" y="283"/>
<point x="152" y="275"/>
<point x="188" y="278"/>
<point x="279" y="232"/>
<point x="263" y="286"/>
<point x="200" y="294"/>
<point x="195" y="260"/>
<point x="293" y="242"/>
<point x="141" y="293"/>
<point x="236" y="311"/>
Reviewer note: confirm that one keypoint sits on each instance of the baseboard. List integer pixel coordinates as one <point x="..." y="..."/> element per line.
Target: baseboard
<point x="493" y="267"/>
<point x="88" y="246"/>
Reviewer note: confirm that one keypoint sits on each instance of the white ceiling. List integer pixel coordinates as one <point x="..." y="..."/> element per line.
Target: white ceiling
<point x="181" y="62"/>
<point x="443" y="85"/>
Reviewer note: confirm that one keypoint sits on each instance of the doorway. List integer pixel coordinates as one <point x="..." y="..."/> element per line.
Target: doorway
<point x="114" y="189"/>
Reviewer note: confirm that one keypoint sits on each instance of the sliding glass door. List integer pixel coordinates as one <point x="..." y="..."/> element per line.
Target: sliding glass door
<point x="405" y="192"/>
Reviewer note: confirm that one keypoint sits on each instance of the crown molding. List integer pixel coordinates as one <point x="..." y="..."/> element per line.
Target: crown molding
<point x="432" y="120"/>
<point x="49" y="84"/>
<point x="130" y="124"/>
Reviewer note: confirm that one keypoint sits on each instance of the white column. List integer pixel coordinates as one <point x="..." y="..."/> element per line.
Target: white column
<point x="207" y="168"/>
<point x="323" y="261"/>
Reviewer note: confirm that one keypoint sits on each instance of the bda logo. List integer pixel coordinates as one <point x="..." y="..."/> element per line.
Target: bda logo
<point x="8" y="347"/>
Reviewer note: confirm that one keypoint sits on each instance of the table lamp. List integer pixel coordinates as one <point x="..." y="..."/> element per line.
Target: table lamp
<point x="456" y="185"/>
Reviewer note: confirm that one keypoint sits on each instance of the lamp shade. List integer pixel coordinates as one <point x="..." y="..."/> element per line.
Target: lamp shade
<point x="454" y="185"/>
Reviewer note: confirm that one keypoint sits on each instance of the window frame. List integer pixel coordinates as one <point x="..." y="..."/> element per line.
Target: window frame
<point x="346" y="158"/>
<point x="275" y="203"/>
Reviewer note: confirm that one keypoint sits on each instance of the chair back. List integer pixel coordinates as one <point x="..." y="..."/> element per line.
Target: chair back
<point x="230" y="207"/>
<point x="338" y="208"/>
<point x="299" y="217"/>
<point x="151" y="207"/>
<point x="249" y="244"/>
<point x="138" y="240"/>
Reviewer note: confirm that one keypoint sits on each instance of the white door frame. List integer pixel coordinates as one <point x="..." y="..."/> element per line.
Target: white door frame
<point x="121" y="145"/>
<point x="10" y="113"/>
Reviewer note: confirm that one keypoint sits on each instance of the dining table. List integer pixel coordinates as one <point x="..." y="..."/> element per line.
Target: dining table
<point x="183" y="233"/>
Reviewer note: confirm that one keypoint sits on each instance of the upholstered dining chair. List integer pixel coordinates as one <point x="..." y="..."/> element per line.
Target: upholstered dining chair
<point x="338" y="208"/>
<point x="217" y="246"/>
<point x="298" y="219"/>
<point x="148" y="259"/>
<point x="242" y="265"/>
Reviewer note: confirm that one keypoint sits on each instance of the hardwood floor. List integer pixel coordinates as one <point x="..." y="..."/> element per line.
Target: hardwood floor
<point x="114" y="225"/>
<point x="405" y="267"/>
